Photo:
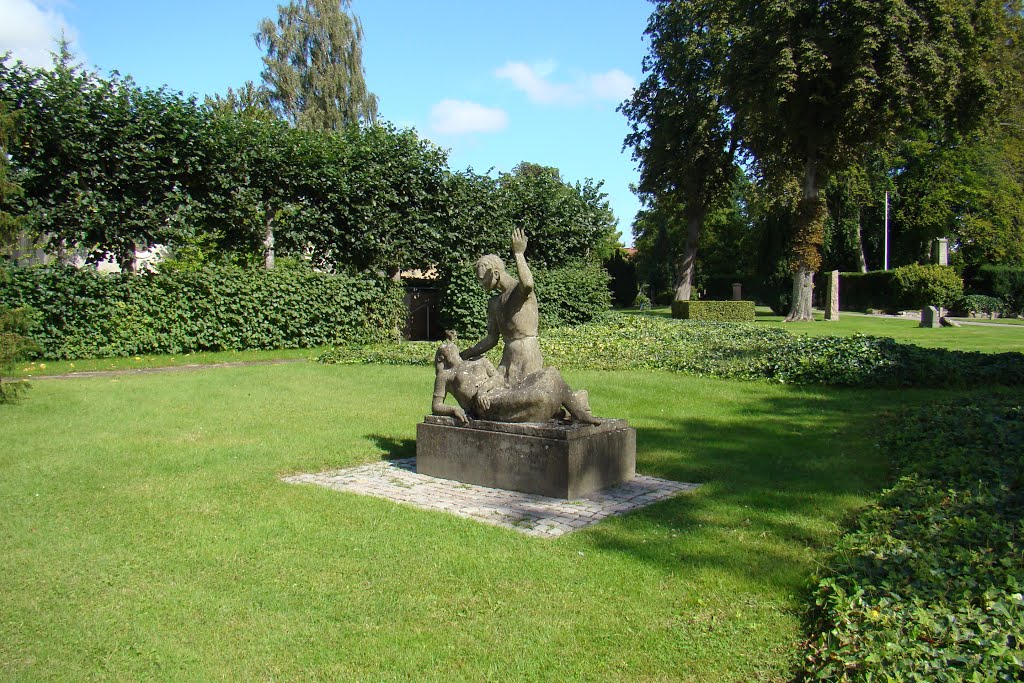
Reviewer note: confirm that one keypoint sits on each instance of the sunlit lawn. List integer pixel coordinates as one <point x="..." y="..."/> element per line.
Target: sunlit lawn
<point x="145" y="534"/>
<point x="987" y="338"/>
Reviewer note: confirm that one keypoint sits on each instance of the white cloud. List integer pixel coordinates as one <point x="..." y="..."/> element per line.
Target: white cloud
<point x="533" y="80"/>
<point x="29" y="31"/>
<point x="456" y="117"/>
<point x="613" y="85"/>
<point x="536" y="81"/>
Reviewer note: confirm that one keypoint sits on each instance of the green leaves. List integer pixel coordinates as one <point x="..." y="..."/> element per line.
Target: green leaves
<point x="84" y="314"/>
<point x="927" y="586"/>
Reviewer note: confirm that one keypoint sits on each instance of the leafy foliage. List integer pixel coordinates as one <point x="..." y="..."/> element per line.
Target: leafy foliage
<point x="618" y="341"/>
<point x="917" y="286"/>
<point x="720" y="311"/>
<point x="571" y="295"/>
<point x="14" y="347"/>
<point x="313" y="68"/>
<point x="971" y="304"/>
<point x="84" y="314"/>
<point x="927" y="586"/>
<point x="904" y="288"/>
<point x="1006" y="283"/>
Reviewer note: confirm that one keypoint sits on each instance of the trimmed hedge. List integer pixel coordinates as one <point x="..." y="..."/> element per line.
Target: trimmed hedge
<point x="1006" y="283"/>
<point x="718" y="311"/>
<point x="928" y="586"/>
<point x="623" y="341"/>
<point x="85" y="314"/>
<point x="570" y="295"/>
<point x="904" y="288"/>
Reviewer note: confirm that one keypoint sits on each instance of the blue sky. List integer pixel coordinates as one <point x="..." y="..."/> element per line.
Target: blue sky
<point x="496" y="83"/>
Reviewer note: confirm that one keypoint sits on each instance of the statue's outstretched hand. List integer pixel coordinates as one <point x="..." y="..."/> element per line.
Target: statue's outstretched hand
<point x="518" y="241"/>
<point x="460" y="416"/>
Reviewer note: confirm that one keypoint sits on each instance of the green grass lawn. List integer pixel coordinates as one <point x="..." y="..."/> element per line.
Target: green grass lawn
<point x="145" y="534"/>
<point x="986" y="338"/>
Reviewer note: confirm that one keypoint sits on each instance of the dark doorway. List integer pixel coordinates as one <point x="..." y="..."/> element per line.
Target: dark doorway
<point x="421" y="314"/>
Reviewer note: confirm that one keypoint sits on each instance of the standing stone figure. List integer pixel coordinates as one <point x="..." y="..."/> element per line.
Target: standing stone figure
<point x="512" y="314"/>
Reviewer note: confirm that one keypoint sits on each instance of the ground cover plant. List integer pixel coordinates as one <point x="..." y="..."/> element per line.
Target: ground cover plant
<point x="739" y="351"/>
<point x="146" y="534"/>
<point x="927" y="586"/>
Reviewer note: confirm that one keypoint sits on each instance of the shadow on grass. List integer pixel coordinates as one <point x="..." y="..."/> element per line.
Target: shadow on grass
<point x="393" y="448"/>
<point x="777" y="481"/>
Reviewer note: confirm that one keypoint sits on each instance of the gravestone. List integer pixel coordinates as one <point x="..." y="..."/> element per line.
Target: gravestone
<point x="930" y="317"/>
<point x="832" y="296"/>
<point x="737" y="291"/>
<point x="940" y="251"/>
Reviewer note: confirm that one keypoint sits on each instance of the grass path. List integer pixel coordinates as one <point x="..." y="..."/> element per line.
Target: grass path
<point x="146" y="535"/>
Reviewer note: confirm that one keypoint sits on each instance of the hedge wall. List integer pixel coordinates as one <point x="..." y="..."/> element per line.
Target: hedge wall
<point x="904" y="288"/>
<point x="1005" y="283"/>
<point x="85" y="314"/>
<point x="570" y="295"/>
<point x="717" y="311"/>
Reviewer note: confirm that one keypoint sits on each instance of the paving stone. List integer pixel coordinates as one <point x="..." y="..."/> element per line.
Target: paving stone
<point x="529" y="514"/>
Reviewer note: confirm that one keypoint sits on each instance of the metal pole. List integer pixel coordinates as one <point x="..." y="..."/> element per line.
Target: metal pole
<point x="885" y="262"/>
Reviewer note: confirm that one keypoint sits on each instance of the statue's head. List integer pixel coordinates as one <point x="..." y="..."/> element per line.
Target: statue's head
<point x="489" y="270"/>
<point x="447" y="355"/>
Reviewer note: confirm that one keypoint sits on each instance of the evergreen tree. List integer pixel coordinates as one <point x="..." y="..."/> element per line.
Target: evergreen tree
<point x="313" y="69"/>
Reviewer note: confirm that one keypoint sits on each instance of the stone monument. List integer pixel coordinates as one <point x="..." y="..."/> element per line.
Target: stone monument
<point x="519" y="425"/>
<point x="930" y="317"/>
<point x="832" y="296"/>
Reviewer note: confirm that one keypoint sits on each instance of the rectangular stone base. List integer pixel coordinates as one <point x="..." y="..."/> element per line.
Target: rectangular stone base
<point x="548" y="459"/>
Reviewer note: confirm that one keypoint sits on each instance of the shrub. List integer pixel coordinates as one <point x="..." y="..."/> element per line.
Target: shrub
<point x="907" y="287"/>
<point x="972" y="304"/>
<point x="720" y="311"/>
<point x="85" y="314"/>
<point x="569" y="295"/>
<point x="918" y="286"/>
<point x="1006" y="283"/>
<point x="14" y="347"/>
<point x="927" y="587"/>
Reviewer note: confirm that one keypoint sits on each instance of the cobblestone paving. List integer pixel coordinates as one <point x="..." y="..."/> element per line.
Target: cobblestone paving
<point x="533" y="515"/>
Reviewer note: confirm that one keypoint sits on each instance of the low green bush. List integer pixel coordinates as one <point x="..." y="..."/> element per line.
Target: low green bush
<point x="928" y="586"/>
<point x="973" y="304"/>
<point x="1004" y="282"/>
<point x="569" y="295"/>
<point x="918" y="286"/>
<point x="741" y="351"/>
<point x="904" y="288"/>
<point x="85" y="314"/>
<point x="718" y="311"/>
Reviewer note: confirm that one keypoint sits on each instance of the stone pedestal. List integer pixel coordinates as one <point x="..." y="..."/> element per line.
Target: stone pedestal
<point x="548" y="459"/>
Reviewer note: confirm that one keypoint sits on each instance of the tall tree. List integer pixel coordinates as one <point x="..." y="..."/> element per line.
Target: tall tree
<point x="819" y="83"/>
<point x="10" y="223"/>
<point x="313" y="68"/>
<point x="684" y="136"/>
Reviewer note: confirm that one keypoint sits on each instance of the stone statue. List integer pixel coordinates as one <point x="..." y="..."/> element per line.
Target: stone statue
<point x="483" y="393"/>
<point x="511" y="314"/>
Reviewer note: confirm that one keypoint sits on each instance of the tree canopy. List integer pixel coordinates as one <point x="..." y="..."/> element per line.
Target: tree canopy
<point x="313" y="67"/>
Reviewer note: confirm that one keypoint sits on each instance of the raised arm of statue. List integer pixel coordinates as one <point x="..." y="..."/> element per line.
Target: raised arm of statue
<point x="519" y="251"/>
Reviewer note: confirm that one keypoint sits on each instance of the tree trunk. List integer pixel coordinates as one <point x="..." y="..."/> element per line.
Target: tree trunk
<point x="268" y="241"/>
<point x="858" y="237"/>
<point x="686" y="263"/>
<point x="809" y="234"/>
<point x="126" y="260"/>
